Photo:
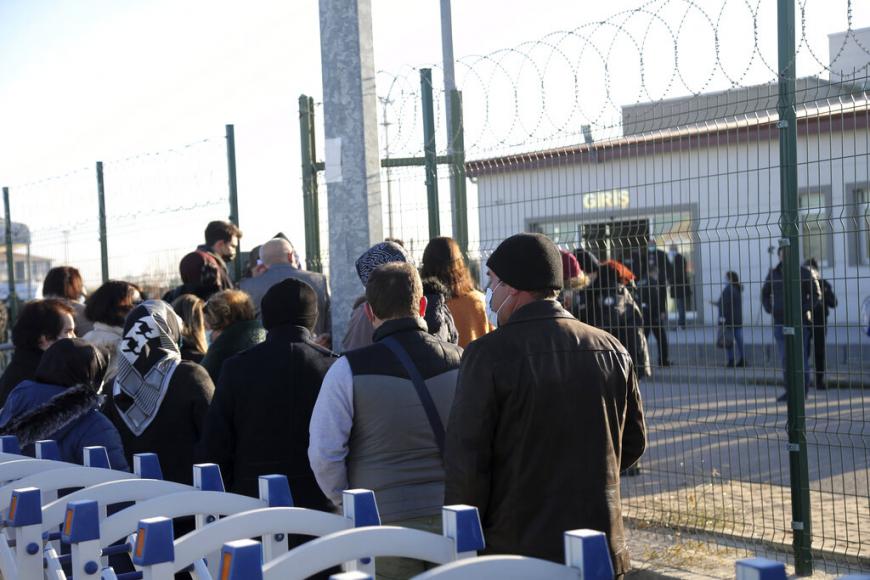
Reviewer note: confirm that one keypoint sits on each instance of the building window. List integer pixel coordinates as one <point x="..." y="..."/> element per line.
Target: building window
<point x="816" y="232"/>
<point x="862" y="232"/>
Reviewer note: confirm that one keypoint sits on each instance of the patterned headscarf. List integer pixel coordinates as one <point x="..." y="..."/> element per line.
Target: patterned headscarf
<point x="149" y="356"/>
<point x="378" y="255"/>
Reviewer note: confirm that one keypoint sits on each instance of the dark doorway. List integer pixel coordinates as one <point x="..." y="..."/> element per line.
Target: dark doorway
<point x="616" y="240"/>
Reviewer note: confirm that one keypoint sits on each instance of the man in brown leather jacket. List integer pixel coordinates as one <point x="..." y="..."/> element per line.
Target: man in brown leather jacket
<point x="547" y="413"/>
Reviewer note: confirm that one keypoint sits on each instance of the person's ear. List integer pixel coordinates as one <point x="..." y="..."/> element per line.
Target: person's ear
<point x="423" y="304"/>
<point x="367" y="308"/>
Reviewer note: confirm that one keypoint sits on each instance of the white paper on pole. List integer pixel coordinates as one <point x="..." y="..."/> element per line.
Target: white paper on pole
<point x="333" y="160"/>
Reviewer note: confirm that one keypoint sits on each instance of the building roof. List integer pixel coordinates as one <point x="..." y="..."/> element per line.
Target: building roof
<point x="839" y="111"/>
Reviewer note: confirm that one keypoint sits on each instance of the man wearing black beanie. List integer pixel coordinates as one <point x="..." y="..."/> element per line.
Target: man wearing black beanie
<point x="257" y="423"/>
<point x="547" y="412"/>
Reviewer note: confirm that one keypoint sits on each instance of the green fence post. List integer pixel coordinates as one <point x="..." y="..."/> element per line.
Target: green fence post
<point x="457" y="172"/>
<point x="429" y="152"/>
<point x="793" y="326"/>
<point x="10" y="264"/>
<point x="104" y="242"/>
<point x="234" y="194"/>
<point x="309" y="184"/>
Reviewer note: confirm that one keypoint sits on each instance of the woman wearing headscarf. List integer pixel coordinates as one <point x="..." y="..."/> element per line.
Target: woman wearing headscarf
<point x="62" y="403"/>
<point x="158" y="401"/>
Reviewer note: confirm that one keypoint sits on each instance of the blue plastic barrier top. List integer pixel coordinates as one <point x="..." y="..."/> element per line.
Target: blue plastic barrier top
<point x="47" y="449"/>
<point x="147" y="466"/>
<point x="207" y="477"/>
<point x="760" y="569"/>
<point x="242" y="559"/>
<point x="154" y="542"/>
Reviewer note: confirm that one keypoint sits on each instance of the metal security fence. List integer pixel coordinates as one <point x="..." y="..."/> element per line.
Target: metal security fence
<point x="122" y="219"/>
<point x="686" y="146"/>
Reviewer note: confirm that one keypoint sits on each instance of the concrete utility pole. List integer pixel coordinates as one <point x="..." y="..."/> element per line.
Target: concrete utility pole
<point x="449" y="86"/>
<point x="351" y="132"/>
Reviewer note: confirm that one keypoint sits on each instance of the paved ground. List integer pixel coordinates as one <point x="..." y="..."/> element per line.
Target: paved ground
<point x="718" y="459"/>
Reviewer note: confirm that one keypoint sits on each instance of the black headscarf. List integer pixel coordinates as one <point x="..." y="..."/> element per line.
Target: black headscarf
<point x="70" y="362"/>
<point x="149" y="355"/>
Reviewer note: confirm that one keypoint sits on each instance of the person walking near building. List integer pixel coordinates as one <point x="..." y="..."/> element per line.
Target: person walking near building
<point x="654" y="305"/>
<point x="547" y="413"/>
<point x="730" y="306"/>
<point x="442" y="259"/>
<point x="277" y="255"/>
<point x="681" y="288"/>
<point x="258" y="420"/>
<point x="773" y="302"/>
<point x="379" y="419"/>
<point x="821" y="311"/>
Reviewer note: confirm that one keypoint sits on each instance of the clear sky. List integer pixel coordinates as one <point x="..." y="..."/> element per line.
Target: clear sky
<point x="102" y="79"/>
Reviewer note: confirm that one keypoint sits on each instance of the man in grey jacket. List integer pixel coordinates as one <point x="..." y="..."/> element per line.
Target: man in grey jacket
<point x="277" y="257"/>
<point x="379" y="418"/>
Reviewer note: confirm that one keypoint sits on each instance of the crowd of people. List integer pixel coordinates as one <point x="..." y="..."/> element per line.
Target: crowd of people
<point x="523" y="401"/>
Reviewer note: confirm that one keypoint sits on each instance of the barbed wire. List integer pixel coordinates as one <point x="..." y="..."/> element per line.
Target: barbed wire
<point x="543" y="92"/>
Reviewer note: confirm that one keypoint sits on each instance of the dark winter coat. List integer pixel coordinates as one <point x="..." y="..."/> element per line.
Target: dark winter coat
<point x="232" y="340"/>
<point x="438" y="317"/>
<point x="22" y="367"/>
<point x="773" y="294"/>
<point x="611" y="307"/>
<point x="547" y="413"/>
<point x="258" y="420"/>
<point x="654" y="301"/>
<point x="680" y="288"/>
<point x="177" y="427"/>
<point x="69" y="415"/>
<point x="731" y="306"/>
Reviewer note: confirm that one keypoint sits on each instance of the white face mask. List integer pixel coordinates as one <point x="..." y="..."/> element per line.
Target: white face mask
<point x="492" y="315"/>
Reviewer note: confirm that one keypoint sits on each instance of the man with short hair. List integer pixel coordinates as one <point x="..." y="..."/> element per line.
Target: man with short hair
<point x="547" y="413"/>
<point x="258" y="420"/>
<point x="204" y="271"/>
<point x="379" y="419"/>
<point x="277" y="255"/>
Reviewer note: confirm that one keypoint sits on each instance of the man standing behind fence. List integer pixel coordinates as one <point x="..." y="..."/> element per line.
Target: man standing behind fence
<point x="277" y="257"/>
<point x="547" y="413"/>
<point x="204" y="271"/>
<point x="379" y="418"/>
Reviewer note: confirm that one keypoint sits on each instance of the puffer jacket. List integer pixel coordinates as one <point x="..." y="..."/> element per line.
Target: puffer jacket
<point x="438" y="317"/>
<point x="69" y="415"/>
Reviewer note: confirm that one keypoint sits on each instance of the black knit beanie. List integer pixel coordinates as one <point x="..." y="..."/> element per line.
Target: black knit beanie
<point x="290" y="301"/>
<point x="528" y="262"/>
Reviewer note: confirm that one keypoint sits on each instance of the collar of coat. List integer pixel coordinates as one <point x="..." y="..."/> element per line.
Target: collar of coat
<point x="286" y="333"/>
<point x="537" y="310"/>
<point x="55" y="414"/>
<point x="389" y="327"/>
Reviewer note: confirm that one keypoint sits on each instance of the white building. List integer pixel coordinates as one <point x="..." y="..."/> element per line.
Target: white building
<point x="702" y="173"/>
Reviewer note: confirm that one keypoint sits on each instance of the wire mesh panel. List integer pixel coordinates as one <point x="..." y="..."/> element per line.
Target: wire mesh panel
<point x="649" y="145"/>
<point x="157" y="207"/>
<point x="59" y="226"/>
